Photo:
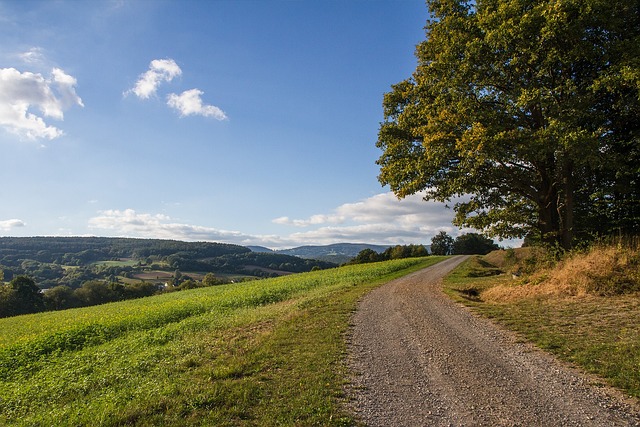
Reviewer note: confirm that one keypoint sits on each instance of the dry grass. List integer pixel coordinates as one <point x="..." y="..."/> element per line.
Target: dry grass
<point x="513" y="259"/>
<point x="602" y="271"/>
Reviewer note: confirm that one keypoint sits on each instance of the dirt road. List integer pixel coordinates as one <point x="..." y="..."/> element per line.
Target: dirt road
<point x="419" y="359"/>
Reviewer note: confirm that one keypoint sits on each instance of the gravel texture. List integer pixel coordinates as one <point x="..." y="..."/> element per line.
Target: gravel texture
<point x="419" y="359"/>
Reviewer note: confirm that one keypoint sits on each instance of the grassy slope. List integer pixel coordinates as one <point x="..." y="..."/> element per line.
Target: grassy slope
<point x="263" y="353"/>
<point x="569" y="310"/>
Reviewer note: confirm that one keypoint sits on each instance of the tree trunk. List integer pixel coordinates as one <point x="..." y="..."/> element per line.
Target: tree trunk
<point x="565" y="209"/>
<point x="547" y="201"/>
<point x="548" y="219"/>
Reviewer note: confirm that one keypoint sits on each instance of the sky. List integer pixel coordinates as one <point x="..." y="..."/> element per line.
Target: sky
<point x="245" y="122"/>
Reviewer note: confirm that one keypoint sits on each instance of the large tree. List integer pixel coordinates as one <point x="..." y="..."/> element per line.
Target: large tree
<point x="20" y="296"/>
<point x="528" y="108"/>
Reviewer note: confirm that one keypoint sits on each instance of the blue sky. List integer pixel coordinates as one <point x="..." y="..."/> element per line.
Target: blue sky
<point x="248" y="122"/>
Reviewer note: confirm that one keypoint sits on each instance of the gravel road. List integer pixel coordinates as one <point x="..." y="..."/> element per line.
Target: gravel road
<point x="419" y="359"/>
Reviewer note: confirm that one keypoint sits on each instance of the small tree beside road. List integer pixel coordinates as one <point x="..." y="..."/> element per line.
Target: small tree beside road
<point x="441" y="244"/>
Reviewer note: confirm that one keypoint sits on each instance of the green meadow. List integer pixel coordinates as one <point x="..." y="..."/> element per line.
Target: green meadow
<point x="267" y="352"/>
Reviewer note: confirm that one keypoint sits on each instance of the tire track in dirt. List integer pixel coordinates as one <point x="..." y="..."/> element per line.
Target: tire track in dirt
<point x="420" y="359"/>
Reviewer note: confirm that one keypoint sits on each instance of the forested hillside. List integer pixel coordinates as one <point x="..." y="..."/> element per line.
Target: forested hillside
<point x="81" y="271"/>
<point x="53" y="261"/>
<point x="83" y="250"/>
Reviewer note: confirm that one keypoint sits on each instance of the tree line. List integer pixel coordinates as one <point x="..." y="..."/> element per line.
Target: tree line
<point x="441" y="244"/>
<point x="21" y="295"/>
<point x="393" y="252"/>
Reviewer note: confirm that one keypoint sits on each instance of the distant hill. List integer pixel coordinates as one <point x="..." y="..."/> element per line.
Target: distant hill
<point x="72" y="261"/>
<point x="338" y="253"/>
<point x="260" y="249"/>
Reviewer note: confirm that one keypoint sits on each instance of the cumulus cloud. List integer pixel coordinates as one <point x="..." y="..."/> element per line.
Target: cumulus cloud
<point x="8" y="224"/>
<point x="380" y="209"/>
<point x="130" y="223"/>
<point x="160" y="70"/>
<point x="20" y="93"/>
<point x="382" y="219"/>
<point x="190" y="103"/>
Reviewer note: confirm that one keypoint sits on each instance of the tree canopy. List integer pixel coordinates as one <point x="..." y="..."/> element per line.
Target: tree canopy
<point x="442" y="244"/>
<point x="530" y="109"/>
<point x="20" y="296"/>
<point x="393" y="252"/>
<point x="473" y="244"/>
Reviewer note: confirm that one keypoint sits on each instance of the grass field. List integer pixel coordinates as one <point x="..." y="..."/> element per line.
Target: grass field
<point x="570" y="310"/>
<point x="262" y="353"/>
<point x="165" y="276"/>
<point x="153" y="275"/>
<point x="119" y="263"/>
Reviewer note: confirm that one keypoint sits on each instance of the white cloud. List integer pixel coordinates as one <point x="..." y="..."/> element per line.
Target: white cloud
<point x="132" y="224"/>
<point x="386" y="207"/>
<point x="312" y="220"/>
<point x="66" y="89"/>
<point x="22" y="92"/>
<point x="190" y="103"/>
<point x="381" y="219"/>
<point x="126" y="220"/>
<point x="8" y="224"/>
<point x="35" y="55"/>
<point x="382" y="208"/>
<point x="159" y="70"/>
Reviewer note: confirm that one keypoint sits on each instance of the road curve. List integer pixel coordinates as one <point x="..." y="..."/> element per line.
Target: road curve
<point x="419" y="359"/>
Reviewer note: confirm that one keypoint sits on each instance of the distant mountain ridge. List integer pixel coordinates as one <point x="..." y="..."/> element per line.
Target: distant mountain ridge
<point x="259" y="249"/>
<point x="338" y="253"/>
